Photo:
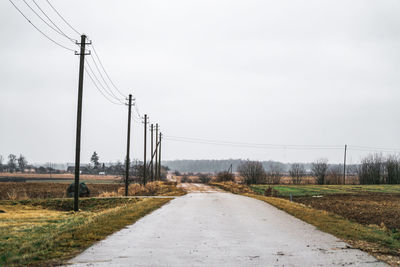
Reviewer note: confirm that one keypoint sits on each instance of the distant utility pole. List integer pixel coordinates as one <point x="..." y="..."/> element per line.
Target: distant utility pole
<point x="128" y="144"/>
<point x="230" y="168"/>
<point x="144" y="153"/>
<point x="152" y="151"/>
<point x="159" y="160"/>
<point x="79" y="119"/>
<point x="156" y="165"/>
<point x="344" y="164"/>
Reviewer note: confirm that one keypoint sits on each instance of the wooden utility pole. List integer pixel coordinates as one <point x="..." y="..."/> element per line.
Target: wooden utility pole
<point x="79" y="120"/>
<point x="156" y="165"/>
<point x="128" y="144"/>
<point x="344" y="164"/>
<point x="152" y="151"/>
<point x="159" y="159"/>
<point x="144" y="153"/>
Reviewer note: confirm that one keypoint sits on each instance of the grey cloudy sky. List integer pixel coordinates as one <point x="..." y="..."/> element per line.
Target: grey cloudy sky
<point x="275" y="72"/>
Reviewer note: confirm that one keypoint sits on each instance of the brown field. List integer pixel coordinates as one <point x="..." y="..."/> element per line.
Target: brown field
<point x="19" y="191"/>
<point x="58" y="176"/>
<point x="367" y="208"/>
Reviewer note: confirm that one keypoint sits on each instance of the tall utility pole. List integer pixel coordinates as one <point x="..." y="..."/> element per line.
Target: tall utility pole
<point x="344" y="164"/>
<point x="128" y="144"/>
<point x="144" y="153"/>
<point x="159" y="160"/>
<point x="152" y="151"/>
<point x="79" y="120"/>
<point x="156" y="165"/>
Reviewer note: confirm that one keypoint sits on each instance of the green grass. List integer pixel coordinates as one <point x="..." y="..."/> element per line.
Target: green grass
<point x="40" y="233"/>
<point x="313" y="190"/>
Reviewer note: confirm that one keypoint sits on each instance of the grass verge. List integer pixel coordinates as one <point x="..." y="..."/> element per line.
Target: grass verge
<point x="313" y="190"/>
<point x="37" y="236"/>
<point x="378" y="241"/>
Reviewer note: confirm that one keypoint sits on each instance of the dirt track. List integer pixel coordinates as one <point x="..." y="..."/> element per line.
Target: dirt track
<point x="221" y="229"/>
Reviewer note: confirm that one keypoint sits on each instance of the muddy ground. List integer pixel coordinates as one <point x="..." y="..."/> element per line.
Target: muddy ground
<point x="366" y="208"/>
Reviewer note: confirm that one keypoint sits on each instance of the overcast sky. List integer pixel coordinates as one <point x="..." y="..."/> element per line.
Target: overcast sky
<point x="274" y="72"/>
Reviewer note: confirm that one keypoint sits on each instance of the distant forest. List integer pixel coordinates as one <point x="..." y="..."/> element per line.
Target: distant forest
<point x="204" y="165"/>
<point x="214" y="166"/>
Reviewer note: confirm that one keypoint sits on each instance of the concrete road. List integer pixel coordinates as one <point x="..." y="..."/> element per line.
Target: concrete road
<point x="221" y="229"/>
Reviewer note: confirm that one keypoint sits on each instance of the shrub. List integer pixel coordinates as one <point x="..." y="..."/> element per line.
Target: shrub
<point x="204" y="178"/>
<point x="185" y="179"/>
<point x="225" y="176"/>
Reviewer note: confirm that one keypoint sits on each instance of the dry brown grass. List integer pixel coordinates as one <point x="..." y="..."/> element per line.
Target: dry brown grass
<point x="19" y="191"/>
<point x="233" y="187"/>
<point x="32" y="235"/>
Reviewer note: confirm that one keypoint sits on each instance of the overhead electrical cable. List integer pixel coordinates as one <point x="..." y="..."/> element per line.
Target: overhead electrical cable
<point x="279" y="146"/>
<point x="108" y="76"/>
<point x="104" y="81"/>
<point x="37" y="28"/>
<point x="105" y="88"/>
<point x="65" y="21"/>
<point x="97" y="87"/>
<point x="99" y="82"/>
<point x="45" y="22"/>
<point x="52" y="22"/>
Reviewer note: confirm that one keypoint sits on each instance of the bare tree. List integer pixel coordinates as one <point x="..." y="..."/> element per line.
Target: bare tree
<point x="252" y="172"/>
<point x="274" y="173"/>
<point x="392" y="165"/>
<point x="371" y="170"/>
<point x="22" y="163"/>
<point x="297" y="172"/>
<point x="334" y="175"/>
<point x="319" y="170"/>
<point x="12" y="162"/>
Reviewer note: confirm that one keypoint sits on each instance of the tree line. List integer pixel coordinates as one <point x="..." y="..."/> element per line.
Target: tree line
<point x="373" y="169"/>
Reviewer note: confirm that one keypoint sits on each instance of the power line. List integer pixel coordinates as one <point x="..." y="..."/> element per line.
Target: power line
<point x="374" y="149"/>
<point x="66" y="22"/>
<point x="51" y="21"/>
<point x="273" y="146"/>
<point x="49" y="38"/>
<point x="137" y="110"/>
<point x="95" y="85"/>
<point x="102" y="77"/>
<point x="102" y="86"/>
<point x="102" y="66"/>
